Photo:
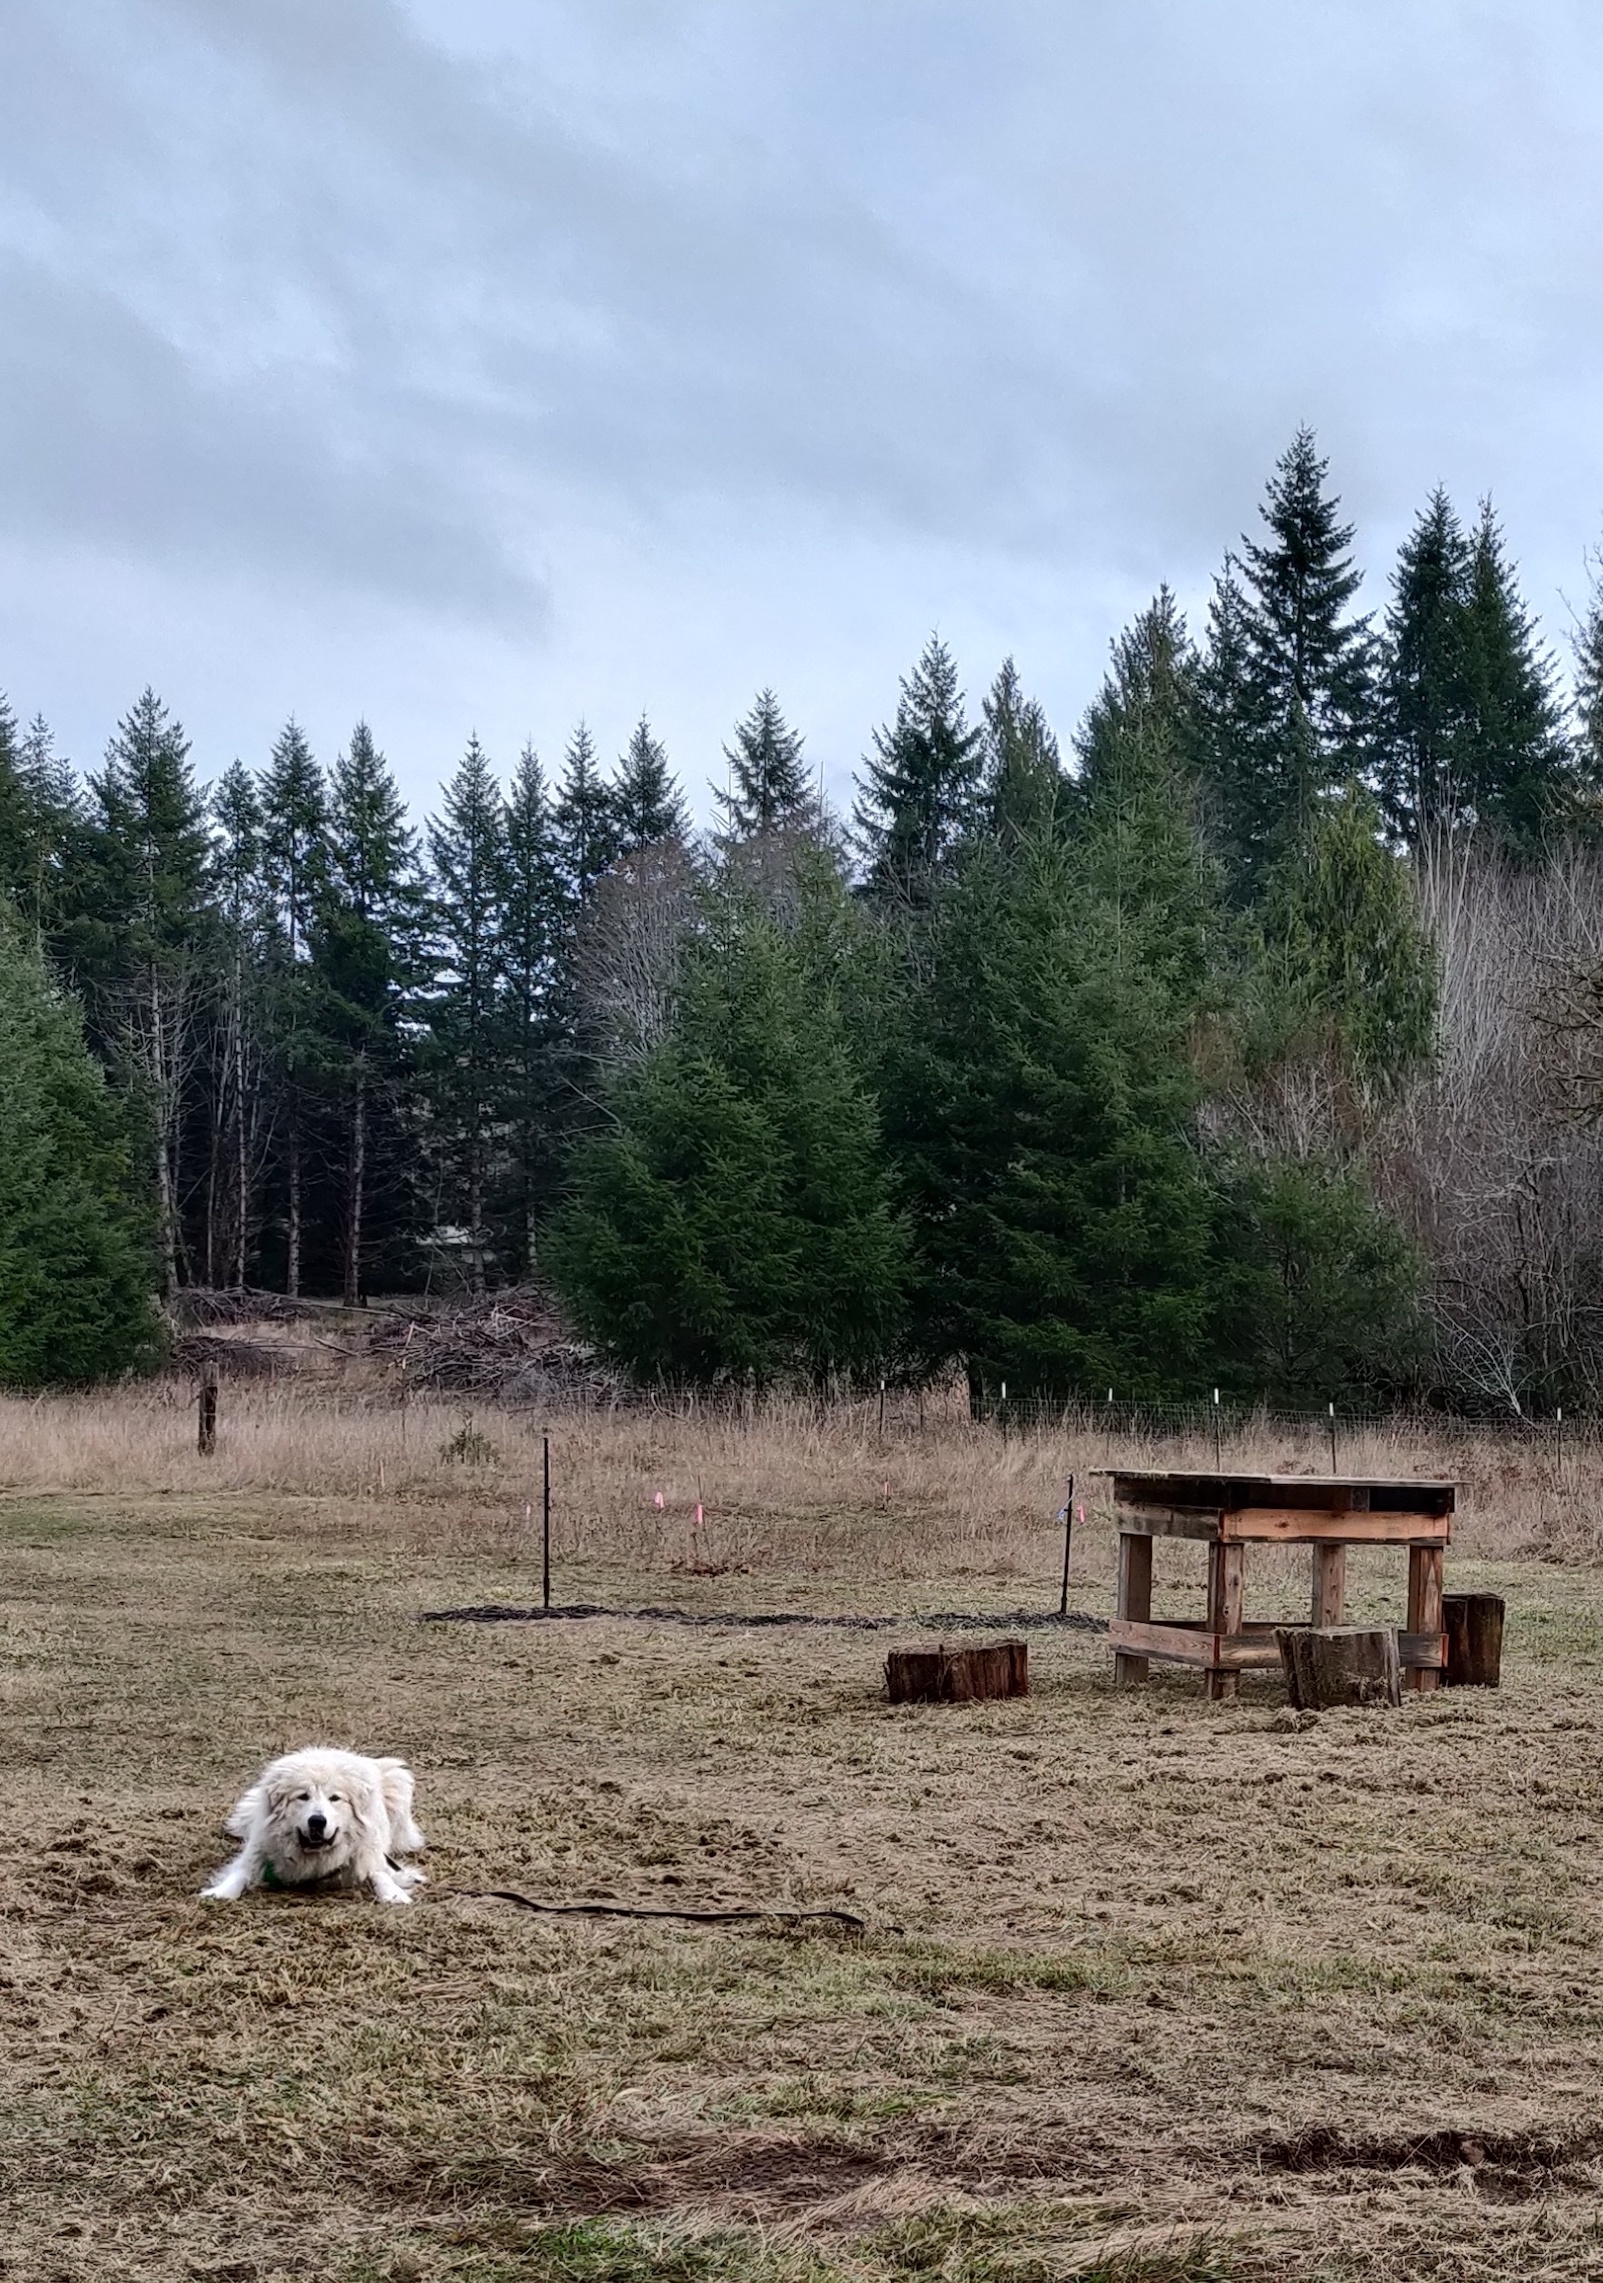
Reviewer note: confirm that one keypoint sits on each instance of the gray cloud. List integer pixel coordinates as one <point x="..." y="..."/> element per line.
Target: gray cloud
<point x="611" y="353"/>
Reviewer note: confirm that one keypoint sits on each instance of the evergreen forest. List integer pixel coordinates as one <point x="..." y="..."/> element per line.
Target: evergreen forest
<point x="1248" y="1033"/>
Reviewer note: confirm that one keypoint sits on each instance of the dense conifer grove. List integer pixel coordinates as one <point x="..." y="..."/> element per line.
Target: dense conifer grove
<point x="1250" y="1035"/>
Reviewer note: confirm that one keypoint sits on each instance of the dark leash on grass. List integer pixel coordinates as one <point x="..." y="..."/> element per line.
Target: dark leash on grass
<point x="845" y="1918"/>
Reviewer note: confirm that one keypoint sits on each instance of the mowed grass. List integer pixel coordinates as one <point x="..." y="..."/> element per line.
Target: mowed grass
<point x="1151" y="1988"/>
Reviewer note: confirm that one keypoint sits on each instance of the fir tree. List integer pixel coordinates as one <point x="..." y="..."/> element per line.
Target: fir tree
<point x="468" y="855"/>
<point x="918" y="793"/>
<point x="239" y="1107"/>
<point x="1520" y="777"/>
<point x="1041" y="1112"/>
<point x="295" y="866"/>
<point x="1023" y="785"/>
<point x="1427" y="712"/>
<point x="77" y="1270"/>
<point x="735" y="1221"/>
<point x="1343" y="954"/>
<point x="531" y="1059"/>
<point x="647" y="802"/>
<point x="768" y="790"/>
<point x="368" y="953"/>
<point x="1287" y="695"/>
<point x="149" y="929"/>
<point x="584" y="819"/>
<point x="39" y="811"/>
<point x="1043" y="1106"/>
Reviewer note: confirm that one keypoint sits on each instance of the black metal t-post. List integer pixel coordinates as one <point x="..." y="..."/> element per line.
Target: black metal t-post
<point x="545" y="1521"/>
<point x="1068" y="1540"/>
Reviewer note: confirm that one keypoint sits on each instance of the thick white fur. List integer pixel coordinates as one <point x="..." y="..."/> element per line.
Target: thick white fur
<point x="319" y="1815"/>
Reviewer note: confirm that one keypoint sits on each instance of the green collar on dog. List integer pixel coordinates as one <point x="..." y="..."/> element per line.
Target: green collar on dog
<point x="269" y="1876"/>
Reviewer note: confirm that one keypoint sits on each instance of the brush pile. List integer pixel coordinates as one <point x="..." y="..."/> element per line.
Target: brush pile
<point x="508" y="1346"/>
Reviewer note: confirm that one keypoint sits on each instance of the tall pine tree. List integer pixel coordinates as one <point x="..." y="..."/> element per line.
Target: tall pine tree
<point x="584" y="819"/>
<point x="919" y="788"/>
<point x="531" y="1062"/>
<point x="768" y="790"/>
<point x="1042" y="1105"/>
<point x="1519" y="773"/>
<point x="1024" y="787"/>
<point x="77" y="1271"/>
<point x="647" y="802"/>
<point x="295" y="866"/>
<point x="1426" y="717"/>
<point x="734" y="1222"/>
<point x="367" y="960"/>
<point x="468" y="856"/>
<point x="240" y="1108"/>
<point x="1287" y="688"/>
<point x="150" y="931"/>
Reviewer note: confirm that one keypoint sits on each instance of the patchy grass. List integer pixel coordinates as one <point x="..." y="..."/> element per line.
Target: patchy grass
<point x="1182" y="1993"/>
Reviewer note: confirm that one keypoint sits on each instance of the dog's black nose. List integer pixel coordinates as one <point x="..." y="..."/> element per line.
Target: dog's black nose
<point x="316" y="1825"/>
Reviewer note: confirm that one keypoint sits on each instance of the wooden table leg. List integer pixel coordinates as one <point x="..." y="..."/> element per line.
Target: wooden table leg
<point x="1330" y="1585"/>
<point x="1135" y="1600"/>
<point x="1226" y="1603"/>
<point x="1424" y="1607"/>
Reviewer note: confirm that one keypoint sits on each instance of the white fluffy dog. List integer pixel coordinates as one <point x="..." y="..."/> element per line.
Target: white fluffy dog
<point x="321" y="1815"/>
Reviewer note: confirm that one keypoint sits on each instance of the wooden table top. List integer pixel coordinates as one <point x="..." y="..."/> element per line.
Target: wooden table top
<point x="1331" y="1493"/>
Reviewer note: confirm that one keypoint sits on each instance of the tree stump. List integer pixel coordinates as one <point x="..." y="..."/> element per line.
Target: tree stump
<point x="1339" y="1664"/>
<point x="957" y="1676"/>
<point x="1473" y="1623"/>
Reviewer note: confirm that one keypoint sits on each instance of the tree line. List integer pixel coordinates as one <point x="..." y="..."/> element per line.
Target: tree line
<point x="1142" y="1063"/>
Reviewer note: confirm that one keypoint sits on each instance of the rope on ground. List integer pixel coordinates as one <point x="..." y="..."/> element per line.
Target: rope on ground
<point x="656" y="1910"/>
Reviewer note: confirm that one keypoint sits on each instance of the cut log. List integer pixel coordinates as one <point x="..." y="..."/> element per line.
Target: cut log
<point x="1473" y="1623"/>
<point x="957" y="1676"/>
<point x="1328" y="1665"/>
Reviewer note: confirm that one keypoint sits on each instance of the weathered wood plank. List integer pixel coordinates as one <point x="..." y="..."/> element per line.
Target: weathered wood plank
<point x="1134" y="1601"/>
<point x="1329" y="1585"/>
<point x="1169" y="1521"/>
<point x="1424" y="1606"/>
<point x="1182" y="1643"/>
<point x="1290" y="1525"/>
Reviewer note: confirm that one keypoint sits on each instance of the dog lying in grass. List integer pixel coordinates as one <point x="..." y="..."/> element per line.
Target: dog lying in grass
<point x="321" y="1816"/>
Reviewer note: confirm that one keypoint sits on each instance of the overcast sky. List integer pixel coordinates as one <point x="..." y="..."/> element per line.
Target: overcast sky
<point x="479" y="364"/>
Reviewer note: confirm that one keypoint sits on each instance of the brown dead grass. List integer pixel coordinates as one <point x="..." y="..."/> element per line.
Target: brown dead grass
<point x="785" y="1488"/>
<point x="1184" y="1991"/>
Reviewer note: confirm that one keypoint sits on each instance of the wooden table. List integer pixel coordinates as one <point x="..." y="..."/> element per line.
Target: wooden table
<point x="1229" y="1512"/>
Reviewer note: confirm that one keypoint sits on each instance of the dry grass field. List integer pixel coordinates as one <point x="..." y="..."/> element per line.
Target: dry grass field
<point x="1150" y="1988"/>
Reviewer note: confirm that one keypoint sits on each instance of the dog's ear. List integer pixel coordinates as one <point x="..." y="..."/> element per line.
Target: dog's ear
<point x="367" y="1802"/>
<point x="396" y="1779"/>
<point x="245" y="1814"/>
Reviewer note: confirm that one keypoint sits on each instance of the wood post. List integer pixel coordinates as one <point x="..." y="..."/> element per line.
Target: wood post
<point x="1227" y="1580"/>
<point x="1135" y="1600"/>
<point x="1473" y="1623"/>
<point x="1330" y="1585"/>
<point x="1424" y="1606"/>
<point x="206" y="1440"/>
<point x="1339" y="1664"/>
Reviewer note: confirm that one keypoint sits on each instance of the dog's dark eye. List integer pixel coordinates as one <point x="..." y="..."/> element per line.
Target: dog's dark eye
<point x="334" y="1798"/>
<point x="303" y="1795"/>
